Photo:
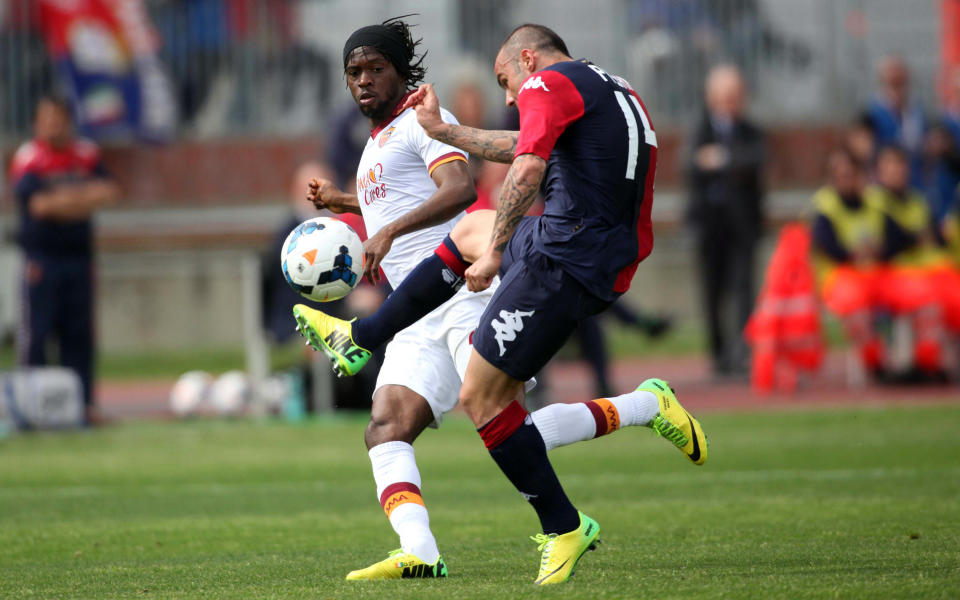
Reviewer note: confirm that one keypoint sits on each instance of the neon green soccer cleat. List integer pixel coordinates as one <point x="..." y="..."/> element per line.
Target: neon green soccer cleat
<point x="333" y="337"/>
<point x="560" y="553"/>
<point x="675" y="423"/>
<point x="399" y="565"/>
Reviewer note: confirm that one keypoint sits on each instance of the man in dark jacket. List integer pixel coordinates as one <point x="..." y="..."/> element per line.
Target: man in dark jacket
<point x="724" y="168"/>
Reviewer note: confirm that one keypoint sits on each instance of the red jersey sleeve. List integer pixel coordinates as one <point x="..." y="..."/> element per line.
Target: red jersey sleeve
<point x="548" y="102"/>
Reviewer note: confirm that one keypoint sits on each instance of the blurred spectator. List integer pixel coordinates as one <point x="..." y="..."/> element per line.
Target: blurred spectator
<point x="920" y="282"/>
<point x="847" y="242"/>
<point x="279" y="298"/>
<point x="469" y="105"/>
<point x="59" y="182"/>
<point x="195" y="38"/>
<point x="725" y="168"/>
<point x="862" y="144"/>
<point x="895" y="118"/>
<point x="943" y="148"/>
<point x="349" y="132"/>
<point x="950" y="230"/>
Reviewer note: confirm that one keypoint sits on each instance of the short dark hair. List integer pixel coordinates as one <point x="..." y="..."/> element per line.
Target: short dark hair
<point x="845" y="154"/>
<point x="895" y="150"/>
<point x="537" y="37"/>
<point x="413" y="72"/>
<point x="58" y="101"/>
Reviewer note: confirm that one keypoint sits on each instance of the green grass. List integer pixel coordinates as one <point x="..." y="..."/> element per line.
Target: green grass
<point x="792" y="504"/>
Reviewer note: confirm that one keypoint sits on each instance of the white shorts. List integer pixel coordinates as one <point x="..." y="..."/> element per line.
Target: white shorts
<point x="430" y="357"/>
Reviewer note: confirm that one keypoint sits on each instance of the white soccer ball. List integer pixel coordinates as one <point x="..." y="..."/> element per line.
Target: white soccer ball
<point x="322" y="259"/>
<point x="230" y="393"/>
<point x="190" y="393"/>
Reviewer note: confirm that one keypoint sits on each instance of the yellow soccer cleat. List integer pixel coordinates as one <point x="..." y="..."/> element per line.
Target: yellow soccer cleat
<point x="400" y="565"/>
<point x="676" y="424"/>
<point x="560" y="553"/>
<point x="333" y="337"/>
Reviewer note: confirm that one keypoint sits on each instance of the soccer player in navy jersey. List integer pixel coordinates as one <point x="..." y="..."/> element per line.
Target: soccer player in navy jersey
<point x="585" y="138"/>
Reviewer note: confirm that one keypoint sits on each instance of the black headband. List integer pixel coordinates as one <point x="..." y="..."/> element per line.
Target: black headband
<point x="388" y="42"/>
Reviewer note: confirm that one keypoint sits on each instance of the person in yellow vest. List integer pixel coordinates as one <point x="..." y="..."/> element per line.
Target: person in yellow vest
<point x="950" y="230"/>
<point x="920" y="282"/>
<point x="848" y="239"/>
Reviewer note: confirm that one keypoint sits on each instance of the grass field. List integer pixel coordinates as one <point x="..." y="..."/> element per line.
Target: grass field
<point x="853" y="503"/>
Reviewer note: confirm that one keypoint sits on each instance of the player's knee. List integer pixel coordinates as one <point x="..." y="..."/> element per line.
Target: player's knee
<point x="396" y="417"/>
<point x="472" y="404"/>
<point x="481" y="403"/>
<point x="384" y="428"/>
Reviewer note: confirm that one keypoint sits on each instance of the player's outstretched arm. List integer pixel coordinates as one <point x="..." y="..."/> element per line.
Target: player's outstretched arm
<point x="518" y="193"/>
<point x="494" y="145"/>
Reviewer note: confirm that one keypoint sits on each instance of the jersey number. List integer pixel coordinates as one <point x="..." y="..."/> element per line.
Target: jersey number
<point x="633" y="131"/>
<point x="624" y="99"/>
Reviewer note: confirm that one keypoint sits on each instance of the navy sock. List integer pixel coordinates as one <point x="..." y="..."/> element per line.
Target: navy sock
<point x="518" y="449"/>
<point x="434" y="281"/>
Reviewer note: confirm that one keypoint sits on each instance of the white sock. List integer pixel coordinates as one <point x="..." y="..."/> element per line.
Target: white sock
<point x="563" y="424"/>
<point x="636" y="408"/>
<point x="395" y="467"/>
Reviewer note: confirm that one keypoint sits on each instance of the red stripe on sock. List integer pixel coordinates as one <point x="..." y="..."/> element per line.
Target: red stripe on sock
<point x="503" y="425"/>
<point x="450" y="259"/>
<point x="599" y="417"/>
<point x="394" y="488"/>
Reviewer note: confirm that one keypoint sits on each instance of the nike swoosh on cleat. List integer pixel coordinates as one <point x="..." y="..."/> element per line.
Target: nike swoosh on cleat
<point x="551" y="573"/>
<point x="695" y="455"/>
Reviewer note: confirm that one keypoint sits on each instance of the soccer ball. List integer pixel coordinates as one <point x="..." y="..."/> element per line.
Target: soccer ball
<point x="190" y="393"/>
<point x="230" y="393"/>
<point x="322" y="259"/>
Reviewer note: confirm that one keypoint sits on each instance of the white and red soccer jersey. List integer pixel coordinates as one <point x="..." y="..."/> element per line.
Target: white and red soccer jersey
<point x="393" y="178"/>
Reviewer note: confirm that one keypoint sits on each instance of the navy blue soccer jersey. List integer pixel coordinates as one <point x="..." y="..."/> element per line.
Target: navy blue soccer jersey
<point x="36" y="167"/>
<point x="601" y="152"/>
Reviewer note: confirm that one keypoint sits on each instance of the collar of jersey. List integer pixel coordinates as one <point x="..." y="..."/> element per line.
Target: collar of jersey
<point x="396" y="111"/>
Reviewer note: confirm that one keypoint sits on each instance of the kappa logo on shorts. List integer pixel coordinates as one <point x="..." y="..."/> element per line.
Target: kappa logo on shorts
<point x="507" y="330"/>
<point x="534" y="83"/>
<point x="452" y="279"/>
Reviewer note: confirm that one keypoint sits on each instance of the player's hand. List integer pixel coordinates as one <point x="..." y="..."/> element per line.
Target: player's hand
<point x="424" y="101"/>
<point x="481" y="273"/>
<point x="374" y="249"/>
<point x="323" y="194"/>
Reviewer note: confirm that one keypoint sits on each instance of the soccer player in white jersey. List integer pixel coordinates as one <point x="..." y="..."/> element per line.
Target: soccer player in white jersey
<point x="411" y="191"/>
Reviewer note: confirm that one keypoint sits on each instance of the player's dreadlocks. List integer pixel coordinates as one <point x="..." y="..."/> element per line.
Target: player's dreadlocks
<point x="393" y="39"/>
<point x="413" y="72"/>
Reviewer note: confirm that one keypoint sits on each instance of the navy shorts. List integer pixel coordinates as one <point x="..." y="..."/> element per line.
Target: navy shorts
<point x="534" y="311"/>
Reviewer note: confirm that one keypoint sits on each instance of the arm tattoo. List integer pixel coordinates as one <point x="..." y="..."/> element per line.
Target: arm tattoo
<point x="518" y="193"/>
<point x="497" y="146"/>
